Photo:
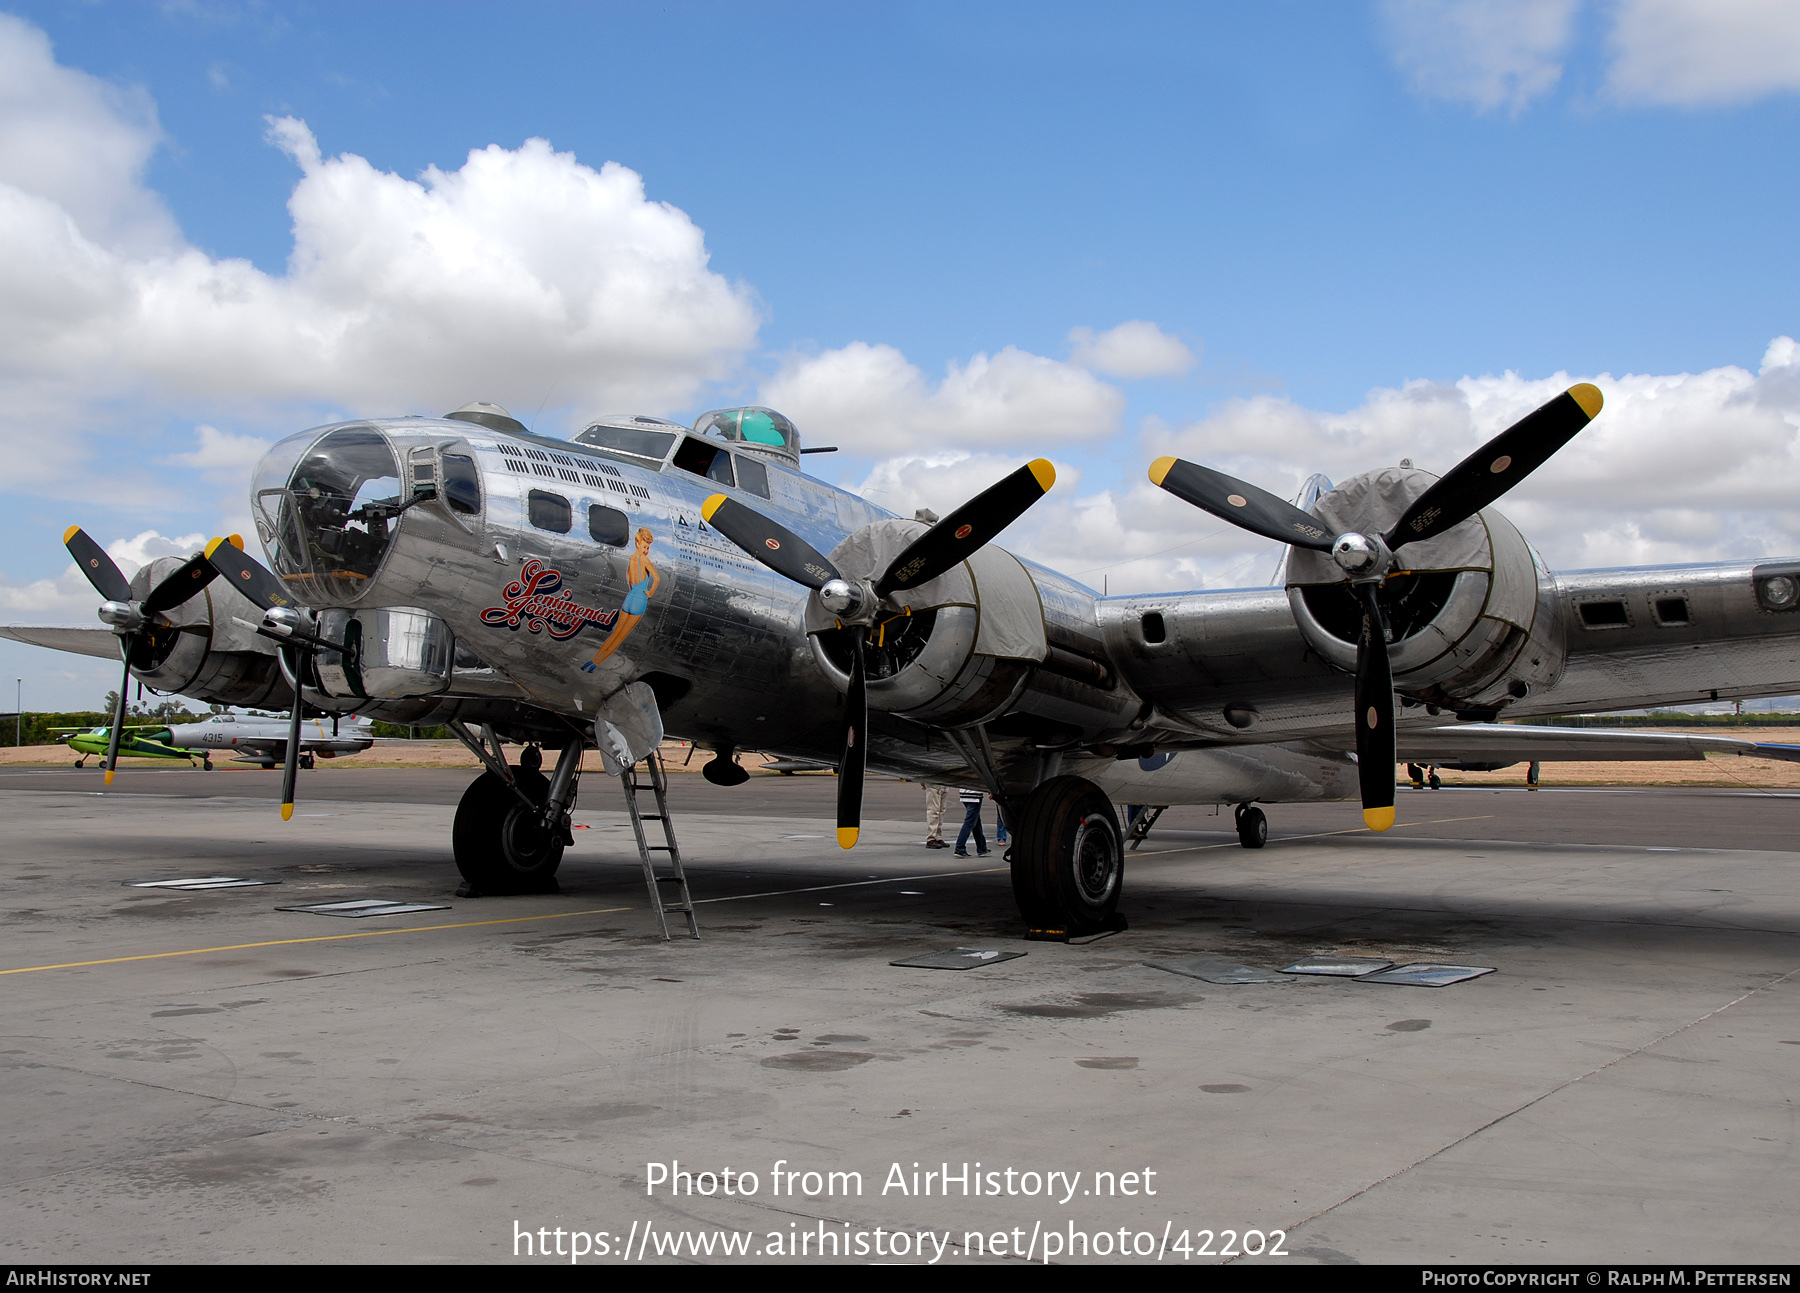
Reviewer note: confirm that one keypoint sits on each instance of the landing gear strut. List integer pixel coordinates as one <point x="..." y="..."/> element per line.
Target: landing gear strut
<point x="510" y="838"/>
<point x="1068" y="862"/>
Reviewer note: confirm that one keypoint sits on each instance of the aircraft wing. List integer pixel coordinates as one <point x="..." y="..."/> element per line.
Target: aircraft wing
<point x="103" y="643"/>
<point x="1520" y="743"/>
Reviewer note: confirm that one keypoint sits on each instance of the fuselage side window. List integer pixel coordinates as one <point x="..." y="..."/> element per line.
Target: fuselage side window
<point x="549" y="511"/>
<point x="608" y="525"/>
<point x="462" y="484"/>
<point x="753" y="475"/>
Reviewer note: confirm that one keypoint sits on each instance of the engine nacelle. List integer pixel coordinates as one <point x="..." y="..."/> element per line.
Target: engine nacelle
<point x="208" y="655"/>
<point x="973" y="644"/>
<point x="1472" y="613"/>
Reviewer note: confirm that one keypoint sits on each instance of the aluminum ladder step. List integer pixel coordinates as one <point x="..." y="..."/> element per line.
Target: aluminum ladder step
<point x="653" y="879"/>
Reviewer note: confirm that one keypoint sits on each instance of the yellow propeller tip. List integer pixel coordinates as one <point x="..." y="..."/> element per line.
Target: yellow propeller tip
<point x="109" y="776"/>
<point x="847" y="836"/>
<point x="1044" y="472"/>
<point x="71" y="532"/>
<point x="236" y="541"/>
<point x="1588" y="396"/>
<point x="1378" y="819"/>
<point x="287" y="812"/>
<point x="212" y="547"/>
<point x="710" y="506"/>
<point x="1159" y="469"/>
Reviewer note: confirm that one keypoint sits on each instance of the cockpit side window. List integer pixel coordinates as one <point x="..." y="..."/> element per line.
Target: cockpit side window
<point x="462" y="484"/>
<point x="549" y="511"/>
<point x="753" y="475"/>
<point x="703" y="459"/>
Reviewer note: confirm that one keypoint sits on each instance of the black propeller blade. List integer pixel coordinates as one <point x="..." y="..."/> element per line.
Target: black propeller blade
<point x="133" y="621"/>
<point x="248" y="575"/>
<point x="777" y="547"/>
<point x="1241" y="503"/>
<point x="856" y="753"/>
<point x="264" y="588"/>
<point x="193" y="575"/>
<point x="1471" y="485"/>
<point x="969" y="527"/>
<point x="951" y="540"/>
<point x="118" y="717"/>
<point x="290" y="769"/>
<point x="1375" y="740"/>
<point x="1497" y="466"/>
<point x="101" y="571"/>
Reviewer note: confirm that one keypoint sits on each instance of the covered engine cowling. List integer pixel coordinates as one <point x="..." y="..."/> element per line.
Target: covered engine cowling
<point x="208" y="655"/>
<point x="963" y="647"/>
<point x="1472" y="615"/>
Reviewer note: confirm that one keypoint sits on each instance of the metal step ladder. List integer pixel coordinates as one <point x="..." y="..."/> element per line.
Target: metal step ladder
<point x="653" y="879"/>
<point x="1141" y="824"/>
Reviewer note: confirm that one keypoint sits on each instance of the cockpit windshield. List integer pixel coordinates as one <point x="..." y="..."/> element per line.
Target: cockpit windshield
<point x="764" y="428"/>
<point x="328" y="524"/>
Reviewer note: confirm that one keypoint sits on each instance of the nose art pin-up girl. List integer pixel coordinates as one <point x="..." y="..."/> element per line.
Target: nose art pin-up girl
<point x="644" y="581"/>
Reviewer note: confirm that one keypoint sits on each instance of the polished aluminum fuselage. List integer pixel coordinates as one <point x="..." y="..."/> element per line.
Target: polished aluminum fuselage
<point x="471" y="625"/>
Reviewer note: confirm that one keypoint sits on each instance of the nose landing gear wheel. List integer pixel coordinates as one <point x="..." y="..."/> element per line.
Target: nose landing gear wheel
<point x="1252" y="826"/>
<point x="501" y="846"/>
<point x="1068" y="863"/>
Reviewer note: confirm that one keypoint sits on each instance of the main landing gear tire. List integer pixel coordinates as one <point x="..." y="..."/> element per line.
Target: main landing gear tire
<point x="1068" y="863"/>
<point x="1252" y="826"/>
<point x="306" y="761"/>
<point x="501" y="846"/>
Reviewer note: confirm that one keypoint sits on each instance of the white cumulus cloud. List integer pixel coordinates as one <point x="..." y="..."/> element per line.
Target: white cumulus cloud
<point x="522" y="276"/>
<point x="1693" y="52"/>
<point x="1136" y="348"/>
<point x="1489" y="54"/>
<point x="80" y="144"/>
<point x="1677" y="467"/>
<point x="146" y="546"/>
<point x="872" y="399"/>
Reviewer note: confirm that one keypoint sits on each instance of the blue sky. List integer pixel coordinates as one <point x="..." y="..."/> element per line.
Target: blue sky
<point x="1375" y="229"/>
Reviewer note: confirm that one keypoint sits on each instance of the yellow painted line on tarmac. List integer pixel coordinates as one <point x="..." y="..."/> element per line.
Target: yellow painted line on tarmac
<point x="317" y="938"/>
<point x="1317" y="835"/>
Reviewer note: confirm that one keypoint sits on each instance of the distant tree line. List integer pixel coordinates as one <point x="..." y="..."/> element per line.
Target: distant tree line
<point x="36" y="729"/>
<point x="401" y="732"/>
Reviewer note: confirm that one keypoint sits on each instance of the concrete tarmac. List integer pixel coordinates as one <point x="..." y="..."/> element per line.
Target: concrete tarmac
<point x="202" y="1077"/>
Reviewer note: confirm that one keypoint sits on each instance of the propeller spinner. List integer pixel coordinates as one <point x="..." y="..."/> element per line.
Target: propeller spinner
<point x="856" y="603"/>
<point x="1478" y="480"/>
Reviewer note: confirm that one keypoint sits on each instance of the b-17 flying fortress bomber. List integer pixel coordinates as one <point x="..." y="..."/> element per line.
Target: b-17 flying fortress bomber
<point x="647" y="578"/>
